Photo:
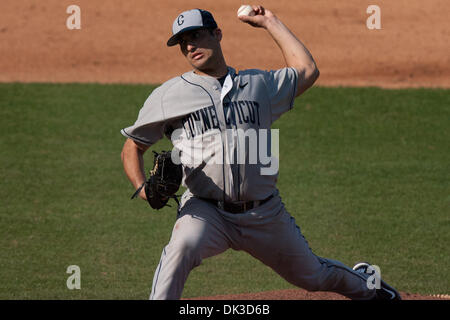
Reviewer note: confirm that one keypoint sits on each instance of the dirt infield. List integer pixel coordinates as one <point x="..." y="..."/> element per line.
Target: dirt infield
<point x="124" y="41"/>
<point x="299" y="294"/>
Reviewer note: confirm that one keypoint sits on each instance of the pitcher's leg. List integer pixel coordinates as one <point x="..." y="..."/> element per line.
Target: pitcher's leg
<point x="197" y="234"/>
<point x="286" y="251"/>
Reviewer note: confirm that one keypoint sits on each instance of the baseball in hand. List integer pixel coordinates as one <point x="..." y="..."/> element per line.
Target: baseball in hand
<point x="245" y="10"/>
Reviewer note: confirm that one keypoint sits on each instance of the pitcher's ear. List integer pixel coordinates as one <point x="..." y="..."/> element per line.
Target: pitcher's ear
<point x="218" y="34"/>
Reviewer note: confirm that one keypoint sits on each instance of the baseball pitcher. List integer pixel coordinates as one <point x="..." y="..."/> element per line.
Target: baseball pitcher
<point x="219" y="122"/>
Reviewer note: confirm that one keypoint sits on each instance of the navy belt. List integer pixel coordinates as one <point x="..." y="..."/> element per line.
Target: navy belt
<point x="233" y="207"/>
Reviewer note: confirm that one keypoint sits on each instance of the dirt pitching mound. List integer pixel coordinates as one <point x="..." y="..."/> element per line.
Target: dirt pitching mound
<point x="299" y="294"/>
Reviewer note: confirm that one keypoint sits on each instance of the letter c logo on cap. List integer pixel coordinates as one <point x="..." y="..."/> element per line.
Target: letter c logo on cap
<point x="180" y="20"/>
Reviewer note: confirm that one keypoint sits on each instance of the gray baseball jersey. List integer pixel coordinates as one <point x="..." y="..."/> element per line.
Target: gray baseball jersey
<point x="213" y="126"/>
<point x="201" y="117"/>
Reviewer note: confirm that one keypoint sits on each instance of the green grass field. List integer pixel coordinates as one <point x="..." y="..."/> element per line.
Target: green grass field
<point x="364" y="171"/>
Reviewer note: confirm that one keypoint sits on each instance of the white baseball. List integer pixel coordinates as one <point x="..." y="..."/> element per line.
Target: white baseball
<point x="245" y="10"/>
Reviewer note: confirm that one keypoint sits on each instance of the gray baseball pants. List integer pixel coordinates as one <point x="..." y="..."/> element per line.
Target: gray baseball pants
<point x="268" y="233"/>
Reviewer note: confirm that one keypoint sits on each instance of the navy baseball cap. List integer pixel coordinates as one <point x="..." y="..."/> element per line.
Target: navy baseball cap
<point x="190" y="20"/>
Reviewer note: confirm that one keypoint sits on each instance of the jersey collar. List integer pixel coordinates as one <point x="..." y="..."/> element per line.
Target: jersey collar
<point x="202" y="80"/>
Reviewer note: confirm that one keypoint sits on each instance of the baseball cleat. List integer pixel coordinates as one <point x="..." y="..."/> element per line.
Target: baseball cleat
<point x="385" y="292"/>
